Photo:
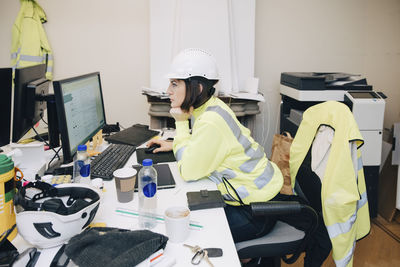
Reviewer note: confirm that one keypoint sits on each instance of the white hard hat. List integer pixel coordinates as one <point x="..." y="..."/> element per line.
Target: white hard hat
<point x="193" y="62"/>
<point x="54" y="214"/>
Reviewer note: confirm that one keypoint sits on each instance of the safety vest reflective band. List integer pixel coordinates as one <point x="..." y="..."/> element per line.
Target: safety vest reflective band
<point x="348" y="259"/>
<point x="343" y="192"/>
<point x="254" y="155"/>
<point x="221" y="148"/>
<point x="36" y="59"/>
<point x="344" y="227"/>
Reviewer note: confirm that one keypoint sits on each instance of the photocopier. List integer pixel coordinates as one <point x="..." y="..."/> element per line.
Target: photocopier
<point x="301" y="90"/>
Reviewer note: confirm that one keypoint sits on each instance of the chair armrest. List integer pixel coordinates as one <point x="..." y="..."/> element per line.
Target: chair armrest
<point x="275" y="208"/>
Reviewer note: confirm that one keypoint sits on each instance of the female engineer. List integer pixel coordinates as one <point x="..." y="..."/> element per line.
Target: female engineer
<point x="218" y="146"/>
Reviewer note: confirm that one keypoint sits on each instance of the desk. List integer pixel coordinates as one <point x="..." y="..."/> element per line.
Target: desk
<point x="245" y="111"/>
<point x="215" y="232"/>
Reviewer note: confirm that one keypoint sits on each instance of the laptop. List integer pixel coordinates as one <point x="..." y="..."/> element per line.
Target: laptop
<point x="134" y="135"/>
<point x="164" y="176"/>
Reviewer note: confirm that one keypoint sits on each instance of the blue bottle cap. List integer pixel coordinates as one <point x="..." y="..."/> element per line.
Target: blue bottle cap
<point x="147" y="162"/>
<point x="82" y="148"/>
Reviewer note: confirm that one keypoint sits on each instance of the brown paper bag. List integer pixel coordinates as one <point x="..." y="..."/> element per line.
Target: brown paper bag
<point x="280" y="155"/>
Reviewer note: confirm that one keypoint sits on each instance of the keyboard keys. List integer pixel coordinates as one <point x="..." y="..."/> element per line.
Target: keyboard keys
<point x="114" y="157"/>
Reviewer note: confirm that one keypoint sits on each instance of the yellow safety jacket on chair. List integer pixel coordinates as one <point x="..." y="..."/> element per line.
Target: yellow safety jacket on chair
<point x="29" y="42"/>
<point x="343" y="192"/>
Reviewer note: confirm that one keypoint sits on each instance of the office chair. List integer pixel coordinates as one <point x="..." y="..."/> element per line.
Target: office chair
<point x="284" y="239"/>
<point x="333" y="183"/>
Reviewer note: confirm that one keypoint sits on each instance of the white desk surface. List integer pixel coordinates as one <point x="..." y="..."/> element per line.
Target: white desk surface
<point x="215" y="233"/>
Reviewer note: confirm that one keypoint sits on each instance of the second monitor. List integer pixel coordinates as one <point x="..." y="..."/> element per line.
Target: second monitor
<point x="80" y="110"/>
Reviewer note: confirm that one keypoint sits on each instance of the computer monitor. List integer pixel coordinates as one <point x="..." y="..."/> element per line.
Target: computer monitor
<point x="23" y="105"/>
<point x="5" y="105"/>
<point x="29" y="84"/>
<point x="80" y="109"/>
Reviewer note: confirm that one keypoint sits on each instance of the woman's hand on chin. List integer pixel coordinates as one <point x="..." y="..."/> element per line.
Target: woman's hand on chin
<point x="180" y="115"/>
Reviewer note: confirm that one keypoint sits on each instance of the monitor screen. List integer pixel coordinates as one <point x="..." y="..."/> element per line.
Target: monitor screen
<point x="24" y="99"/>
<point x="5" y="105"/>
<point x="80" y="110"/>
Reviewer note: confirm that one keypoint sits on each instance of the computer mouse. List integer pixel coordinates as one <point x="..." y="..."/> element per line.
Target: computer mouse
<point x="151" y="148"/>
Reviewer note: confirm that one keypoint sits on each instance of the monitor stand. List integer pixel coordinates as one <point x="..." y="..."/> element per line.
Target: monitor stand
<point x="58" y="167"/>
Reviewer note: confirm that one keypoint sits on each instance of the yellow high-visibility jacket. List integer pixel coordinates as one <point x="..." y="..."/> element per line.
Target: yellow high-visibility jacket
<point x="29" y="42"/>
<point x="343" y="192"/>
<point x="220" y="147"/>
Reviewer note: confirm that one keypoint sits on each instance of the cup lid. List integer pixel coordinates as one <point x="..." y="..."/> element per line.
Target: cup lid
<point x="6" y="164"/>
<point x="124" y="173"/>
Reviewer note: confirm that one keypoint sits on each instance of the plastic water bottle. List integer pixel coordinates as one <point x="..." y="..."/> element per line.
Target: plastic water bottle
<point x="81" y="173"/>
<point x="147" y="195"/>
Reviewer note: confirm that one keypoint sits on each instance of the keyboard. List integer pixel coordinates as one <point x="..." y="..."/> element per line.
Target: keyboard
<point x="114" y="157"/>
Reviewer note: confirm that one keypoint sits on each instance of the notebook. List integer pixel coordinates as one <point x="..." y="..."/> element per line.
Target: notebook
<point x="134" y="136"/>
<point x="205" y="199"/>
<point x="164" y="176"/>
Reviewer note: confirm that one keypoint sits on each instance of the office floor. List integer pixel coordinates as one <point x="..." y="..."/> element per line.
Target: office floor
<point x="380" y="248"/>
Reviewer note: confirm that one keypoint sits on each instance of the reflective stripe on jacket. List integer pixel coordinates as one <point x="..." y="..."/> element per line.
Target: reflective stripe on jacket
<point x="343" y="192"/>
<point x="220" y="147"/>
<point x="29" y="42"/>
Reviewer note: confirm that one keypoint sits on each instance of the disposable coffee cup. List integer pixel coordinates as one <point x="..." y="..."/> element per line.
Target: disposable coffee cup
<point x="177" y="223"/>
<point x="125" y="180"/>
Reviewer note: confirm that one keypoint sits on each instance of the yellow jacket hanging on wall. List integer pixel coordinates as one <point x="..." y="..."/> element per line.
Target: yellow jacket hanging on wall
<point x="29" y="42"/>
<point x="343" y="192"/>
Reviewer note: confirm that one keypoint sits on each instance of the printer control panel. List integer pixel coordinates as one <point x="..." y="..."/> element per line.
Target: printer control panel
<point x="368" y="108"/>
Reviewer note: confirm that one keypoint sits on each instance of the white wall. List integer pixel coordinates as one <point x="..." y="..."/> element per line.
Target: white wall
<point x="356" y="36"/>
<point x="96" y="35"/>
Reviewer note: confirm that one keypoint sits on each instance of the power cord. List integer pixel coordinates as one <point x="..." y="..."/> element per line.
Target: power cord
<point x="56" y="154"/>
<point x="47" y="144"/>
<point x="41" y="117"/>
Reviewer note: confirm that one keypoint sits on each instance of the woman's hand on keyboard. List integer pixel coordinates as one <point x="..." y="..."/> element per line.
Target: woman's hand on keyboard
<point x="165" y="146"/>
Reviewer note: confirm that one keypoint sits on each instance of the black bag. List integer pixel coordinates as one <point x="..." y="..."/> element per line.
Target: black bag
<point x="105" y="246"/>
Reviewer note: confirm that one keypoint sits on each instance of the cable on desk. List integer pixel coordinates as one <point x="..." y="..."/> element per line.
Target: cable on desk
<point x="47" y="144"/>
<point x="41" y="117"/>
<point x="48" y="165"/>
